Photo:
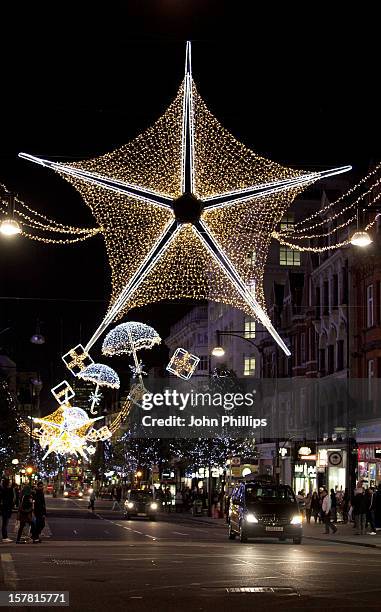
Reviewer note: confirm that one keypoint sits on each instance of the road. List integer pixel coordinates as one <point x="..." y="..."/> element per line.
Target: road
<point x="107" y="563"/>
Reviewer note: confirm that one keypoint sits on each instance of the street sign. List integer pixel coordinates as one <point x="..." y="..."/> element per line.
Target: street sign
<point x="235" y="461"/>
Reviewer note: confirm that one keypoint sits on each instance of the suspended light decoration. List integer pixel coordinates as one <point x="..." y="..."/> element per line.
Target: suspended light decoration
<point x="360" y="239"/>
<point x="102" y="376"/>
<point x="171" y="205"/>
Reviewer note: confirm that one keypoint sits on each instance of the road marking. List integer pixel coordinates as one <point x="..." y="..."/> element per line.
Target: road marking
<point x="9" y="571"/>
<point x="180" y="533"/>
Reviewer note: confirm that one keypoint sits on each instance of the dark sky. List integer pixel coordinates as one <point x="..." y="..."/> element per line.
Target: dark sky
<point x="300" y="88"/>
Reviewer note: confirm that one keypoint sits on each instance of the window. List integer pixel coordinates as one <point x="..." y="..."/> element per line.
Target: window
<point x="325" y="298"/>
<point x="369" y="306"/>
<point x="331" y="358"/>
<point x="249" y="365"/>
<point x="287" y="221"/>
<point x="322" y="361"/>
<point x="249" y="327"/>
<point x="203" y="364"/>
<point x="340" y="355"/>
<point x="335" y="291"/>
<point x="251" y="258"/>
<point x="371" y="368"/>
<point x="302" y="348"/>
<point x="288" y="257"/>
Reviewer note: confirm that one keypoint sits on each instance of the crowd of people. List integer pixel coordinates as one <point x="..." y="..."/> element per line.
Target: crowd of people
<point x="362" y="508"/>
<point x="31" y="510"/>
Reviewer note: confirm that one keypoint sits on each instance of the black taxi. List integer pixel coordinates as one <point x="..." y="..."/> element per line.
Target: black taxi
<point x="264" y="509"/>
<point x="140" y="503"/>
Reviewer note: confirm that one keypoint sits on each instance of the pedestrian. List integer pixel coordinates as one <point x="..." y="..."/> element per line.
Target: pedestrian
<point x="25" y="513"/>
<point x="378" y="507"/>
<point x="179" y="501"/>
<point x="360" y="508"/>
<point x="308" y="507"/>
<point x="92" y="500"/>
<point x="6" y="501"/>
<point x="39" y="512"/>
<point x="315" y="506"/>
<point x="168" y="499"/>
<point x="333" y="506"/>
<point x="117" y="499"/>
<point x="326" y="512"/>
<point x="371" y="513"/>
<point x="345" y="505"/>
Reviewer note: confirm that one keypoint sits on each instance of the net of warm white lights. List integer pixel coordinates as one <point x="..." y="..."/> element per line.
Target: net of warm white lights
<point x="180" y="208"/>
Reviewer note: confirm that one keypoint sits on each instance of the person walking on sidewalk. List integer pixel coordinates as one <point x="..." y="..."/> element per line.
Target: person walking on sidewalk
<point x="308" y="507"/>
<point x="360" y="508"/>
<point x="39" y="511"/>
<point x="326" y="512"/>
<point x="371" y="514"/>
<point x="179" y="501"/>
<point x="315" y="506"/>
<point x="25" y="513"/>
<point x="6" y="501"/>
<point x="92" y="501"/>
<point x="117" y="499"/>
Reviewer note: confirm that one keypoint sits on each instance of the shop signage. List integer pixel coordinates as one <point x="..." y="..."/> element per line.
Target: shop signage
<point x="304" y="470"/>
<point x="369" y="452"/>
<point x="236" y="461"/>
<point x="377" y="452"/>
<point x="323" y="458"/>
<point x="308" y="457"/>
<point x="335" y="458"/>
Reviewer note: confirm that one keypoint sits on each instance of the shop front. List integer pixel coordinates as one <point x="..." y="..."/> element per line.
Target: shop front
<point x="369" y="463"/>
<point x="332" y="467"/>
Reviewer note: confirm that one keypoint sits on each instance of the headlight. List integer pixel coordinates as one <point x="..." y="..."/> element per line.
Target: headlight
<point x="90" y="491"/>
<point x="251" y="518"/>
<point x="153" y="506"/>
<point x="80" y="494"/>
<point x="297" y="519"/>
<point x="130" y="504"/>
<point x="66" y="493"/>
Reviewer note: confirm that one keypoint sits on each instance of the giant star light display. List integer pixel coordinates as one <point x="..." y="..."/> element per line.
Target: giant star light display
<point x="185" y="210"/>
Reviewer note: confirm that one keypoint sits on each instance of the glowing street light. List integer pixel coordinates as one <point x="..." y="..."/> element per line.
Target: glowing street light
<point x="361" y="238"/>
<point x="9" y="226"/>
<point x="218" y="351"/>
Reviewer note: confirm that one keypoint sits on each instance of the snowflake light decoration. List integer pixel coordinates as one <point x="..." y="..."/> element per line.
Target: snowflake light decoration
<point x="102" y="376"/>
<point x="181" y="208"/>
<point x="138" y="370"/>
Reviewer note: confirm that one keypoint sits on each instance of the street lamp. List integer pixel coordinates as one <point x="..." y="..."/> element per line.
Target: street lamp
<point x="9" y="225"/>
<point x="37" y="337"/>
<point x="360" y="237"/>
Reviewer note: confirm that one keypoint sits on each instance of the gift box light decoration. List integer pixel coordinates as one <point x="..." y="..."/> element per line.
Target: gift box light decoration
<point x="63" y="392"/>
<point x="77" y="359"/>
<point x="181" y="206"/>
<point x="183" y="364"/>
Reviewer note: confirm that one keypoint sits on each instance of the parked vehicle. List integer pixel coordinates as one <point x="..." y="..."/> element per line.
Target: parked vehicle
<point x="264" y="509"/>
<point x="140" y="503"/>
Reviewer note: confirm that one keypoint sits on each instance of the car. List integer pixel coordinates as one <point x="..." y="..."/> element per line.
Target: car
<point x="140" y="503"/>
<point x="73" y="493"/>
<point x="262" y="509"/>
<point x="49" y="488"/>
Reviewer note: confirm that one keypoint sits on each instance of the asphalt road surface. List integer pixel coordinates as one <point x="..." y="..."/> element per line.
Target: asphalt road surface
<point x="176" y="564"/>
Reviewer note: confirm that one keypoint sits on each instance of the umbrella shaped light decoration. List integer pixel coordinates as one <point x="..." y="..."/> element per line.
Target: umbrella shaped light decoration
<point x="102" y="376"/>
<point x="183" y="208"/>
<point x="127" y="339"/>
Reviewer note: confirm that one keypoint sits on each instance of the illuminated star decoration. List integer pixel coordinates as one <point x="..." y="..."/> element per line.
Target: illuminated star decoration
<point x="185" y="210"/>
<point x="65" y="431"/>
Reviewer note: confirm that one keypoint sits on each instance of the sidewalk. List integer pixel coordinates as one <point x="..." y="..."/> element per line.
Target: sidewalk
<point x="345" y="533"/>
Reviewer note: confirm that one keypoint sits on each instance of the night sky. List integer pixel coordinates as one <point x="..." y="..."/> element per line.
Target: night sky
<point x="301" y="89"/>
